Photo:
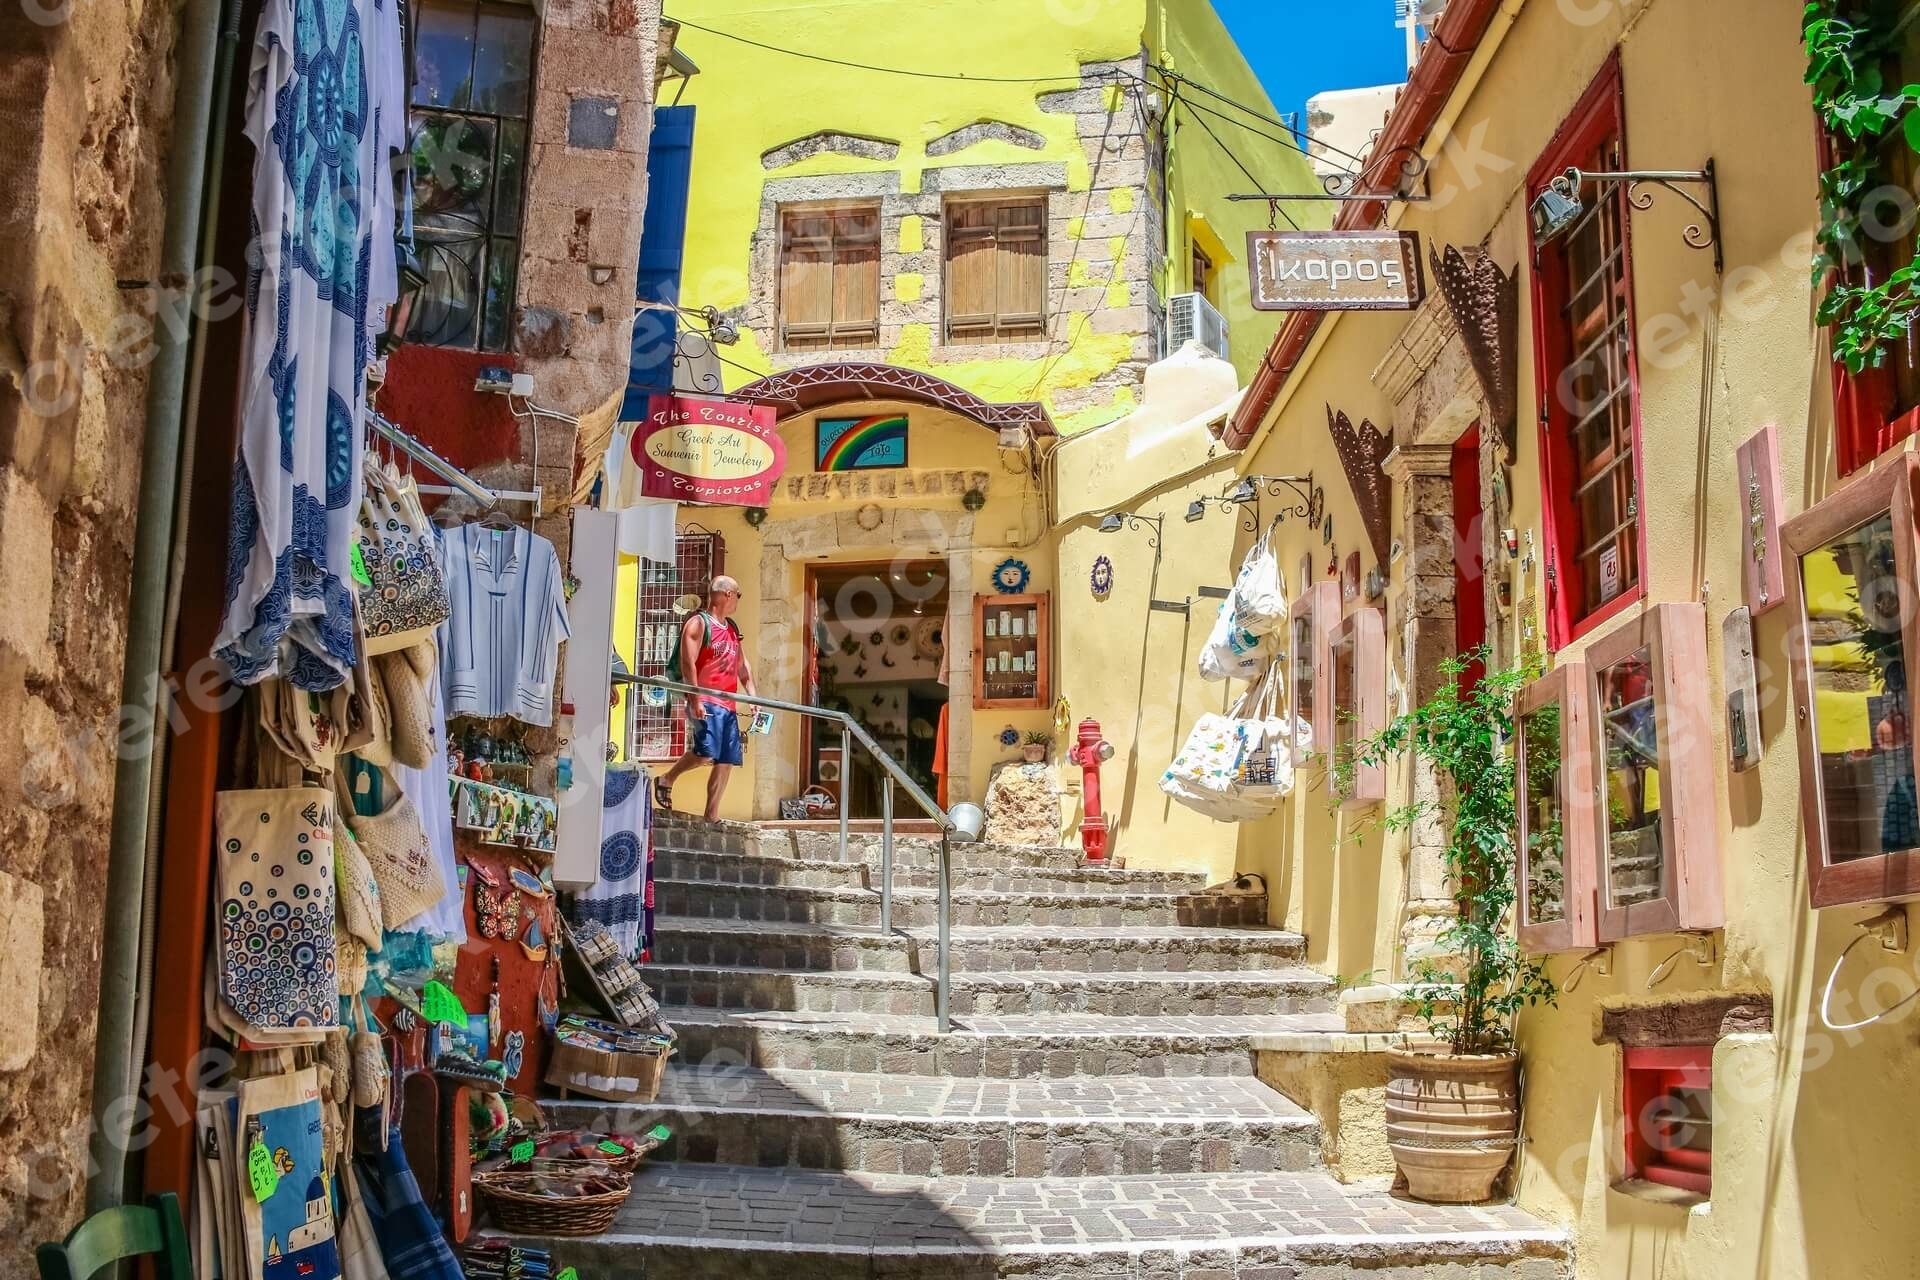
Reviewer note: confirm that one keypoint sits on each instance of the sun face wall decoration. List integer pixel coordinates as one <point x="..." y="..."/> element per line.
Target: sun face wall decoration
<point x="1100" y="579"/>
<point x="1010" y="577"/>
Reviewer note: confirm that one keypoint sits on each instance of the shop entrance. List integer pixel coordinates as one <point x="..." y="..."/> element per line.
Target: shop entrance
<point x="876" y="650"/>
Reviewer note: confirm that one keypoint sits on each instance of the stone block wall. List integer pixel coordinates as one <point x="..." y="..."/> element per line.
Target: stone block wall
<point x="86" y="94"/>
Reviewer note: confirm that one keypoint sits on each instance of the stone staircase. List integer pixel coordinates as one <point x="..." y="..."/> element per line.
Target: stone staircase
<point x="1093" y="1114"/>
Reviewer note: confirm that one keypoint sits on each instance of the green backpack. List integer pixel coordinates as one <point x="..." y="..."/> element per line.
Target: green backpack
<point x="675" y="671"/>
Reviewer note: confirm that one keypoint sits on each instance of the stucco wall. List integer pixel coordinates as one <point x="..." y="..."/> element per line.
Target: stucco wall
<point x="86" y="95"/>
<point x="1800" y="1186"/>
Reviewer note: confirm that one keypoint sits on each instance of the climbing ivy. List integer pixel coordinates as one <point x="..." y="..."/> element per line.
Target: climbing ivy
<point x="1847" y="45"/>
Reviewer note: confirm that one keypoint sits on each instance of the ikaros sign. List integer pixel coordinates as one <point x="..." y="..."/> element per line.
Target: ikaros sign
<point x="716" y="451"/>
<point x="1335" y="270"/>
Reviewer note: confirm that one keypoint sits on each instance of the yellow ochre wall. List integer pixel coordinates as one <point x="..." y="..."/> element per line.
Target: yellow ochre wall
<point x="1803" y="1184"/>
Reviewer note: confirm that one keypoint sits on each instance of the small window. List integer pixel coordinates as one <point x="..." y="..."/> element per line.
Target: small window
<point x="1659" y="815"/>
<point x="1667" y="1104"/>
<point x="1554" y="801"/>
<point x="830" y="279"/>
<point x="471" y="99"/>
<point x="1583" y="297"/>
<point x="1879" y="407"/>
<point x="660" y="733"/>
<point x="996" y="270"/>
<point x="1202" y="273"/>
<point x="1357" y="656"/>
<point x="1850" y="563"/>
<point x="1310" y="626"/>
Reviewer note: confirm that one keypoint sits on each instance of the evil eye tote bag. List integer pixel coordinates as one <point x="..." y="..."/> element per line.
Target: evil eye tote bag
<point x="273" y="851"/>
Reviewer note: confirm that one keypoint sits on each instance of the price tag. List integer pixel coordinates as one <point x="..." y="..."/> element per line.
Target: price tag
<point x="262" y="1173"/>
<point x="660" y="1132"/>
<point x="567" y="1273"/>
<point x="613" y="1148"/>
<point x="520" y="1152"/>
<point x="360" y="574"/>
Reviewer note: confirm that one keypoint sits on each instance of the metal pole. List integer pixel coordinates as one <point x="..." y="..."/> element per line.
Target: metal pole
<point x="943" y="1004"/>
<point x="846" y="776"/>
<point x="886" y="857"/>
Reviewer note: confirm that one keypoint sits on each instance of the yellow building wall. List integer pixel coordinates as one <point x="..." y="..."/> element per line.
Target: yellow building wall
<point x="1802" y="1185"/>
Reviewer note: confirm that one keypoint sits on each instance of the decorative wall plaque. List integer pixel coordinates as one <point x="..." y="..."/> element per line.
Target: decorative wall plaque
<point x="1485" y="302"/>
<point x="1362" y="449"/>
<point x="1760" y="510"/>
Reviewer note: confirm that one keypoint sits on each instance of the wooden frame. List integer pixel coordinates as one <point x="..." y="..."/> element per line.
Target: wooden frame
<point x="1567" y="688"/>
<point x="1679" y="696"/>
<point x="1357" y="655"/>
<point x="1890" y="492"/>
<point x="1648" y="1075"/>
<point x="1310" y="625"/>
<point x="835" y="333"/>
<point x="992" y="648"/>
<point x="1600" y="115"/>
<point x="1761" y="508"/>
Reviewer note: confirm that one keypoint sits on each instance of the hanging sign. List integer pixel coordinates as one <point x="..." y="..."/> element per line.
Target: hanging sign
<point x="692" y="449"/>
<point x="1335" y="270"/>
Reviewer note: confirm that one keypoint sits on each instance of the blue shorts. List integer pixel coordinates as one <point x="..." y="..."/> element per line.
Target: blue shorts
<point x="715" y="736"/>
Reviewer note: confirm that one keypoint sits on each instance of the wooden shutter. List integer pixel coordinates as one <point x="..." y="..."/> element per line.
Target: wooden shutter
<point x="1021" y="244"/>
<point x="856" y="280"/>
<point x="972" y="285"/>
<point x="996" y="271"/>
<point x="830" y="280"/>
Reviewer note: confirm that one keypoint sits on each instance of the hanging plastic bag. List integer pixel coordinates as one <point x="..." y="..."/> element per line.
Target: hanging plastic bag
<point x="1232" y="652"/>
<point x="1260" y="592"/>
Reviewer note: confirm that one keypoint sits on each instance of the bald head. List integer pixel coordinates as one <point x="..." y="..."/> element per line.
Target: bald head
<point x="723" y="597"/>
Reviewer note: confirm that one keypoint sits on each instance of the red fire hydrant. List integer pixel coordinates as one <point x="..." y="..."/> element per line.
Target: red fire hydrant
<point x="1093" y="751"/>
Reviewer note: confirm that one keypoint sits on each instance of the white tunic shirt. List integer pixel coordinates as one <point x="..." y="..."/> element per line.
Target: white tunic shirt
<point x="501" y="646"/>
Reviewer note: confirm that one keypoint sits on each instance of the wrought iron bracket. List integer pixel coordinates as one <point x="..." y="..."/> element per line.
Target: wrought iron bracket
<point x="1308" y="500"/>
<point x="1699" y="235"/>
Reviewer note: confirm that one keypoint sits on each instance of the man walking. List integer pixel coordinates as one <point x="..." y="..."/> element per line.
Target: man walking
<point x="712" y="657"/>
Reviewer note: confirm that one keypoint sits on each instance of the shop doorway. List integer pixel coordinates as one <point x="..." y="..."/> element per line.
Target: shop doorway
<point x="876" y="650"/>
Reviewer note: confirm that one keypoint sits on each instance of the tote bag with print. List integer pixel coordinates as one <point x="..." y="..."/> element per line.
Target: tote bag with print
<point x="403" y="595"/>
<point x="273" y="851"/>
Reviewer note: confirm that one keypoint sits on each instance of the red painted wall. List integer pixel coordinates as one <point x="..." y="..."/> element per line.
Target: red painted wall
<point x="429" y="391"/>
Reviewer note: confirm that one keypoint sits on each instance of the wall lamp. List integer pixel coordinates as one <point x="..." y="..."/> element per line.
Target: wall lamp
<point x="1557" y="208"/>
<point x="1115" y="521"/>
<point x="1308" y="500"/>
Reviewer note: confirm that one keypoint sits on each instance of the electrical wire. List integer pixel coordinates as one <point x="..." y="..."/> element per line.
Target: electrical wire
<point x="1177" y="78"/>
<point x="1273" y="205"/>
<point x="867" y="66"/>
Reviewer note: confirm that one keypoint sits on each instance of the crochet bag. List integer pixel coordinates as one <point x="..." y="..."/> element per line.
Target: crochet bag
<point x="403" y="588"/>
<point x="395" y="842"/>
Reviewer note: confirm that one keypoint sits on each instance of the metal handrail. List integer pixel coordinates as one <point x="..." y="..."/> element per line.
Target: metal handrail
<point x="852" y="730"/>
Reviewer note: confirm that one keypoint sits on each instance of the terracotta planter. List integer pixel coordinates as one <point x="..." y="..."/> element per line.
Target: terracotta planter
<point x="1452" y="1120"/>
<point x="1034" y="752"/>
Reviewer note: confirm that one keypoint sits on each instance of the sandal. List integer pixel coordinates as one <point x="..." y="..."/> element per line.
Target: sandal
<point x="663" y="795"/>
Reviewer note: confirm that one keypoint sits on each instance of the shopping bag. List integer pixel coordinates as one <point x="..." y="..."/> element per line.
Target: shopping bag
<point x="1232" y="652"/>
<point x="273" y="851"/>
<point x="1259" y="597"/>
<point x="285" y="1207"/>
<point x="1267" y="742"/>
<point x="403" y="588"/>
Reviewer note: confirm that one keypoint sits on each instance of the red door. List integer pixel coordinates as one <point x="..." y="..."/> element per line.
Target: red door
<point x="1469" y="568"/>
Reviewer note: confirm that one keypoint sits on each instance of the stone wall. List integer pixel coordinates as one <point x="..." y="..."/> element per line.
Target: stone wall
<point x="86" y="93"/>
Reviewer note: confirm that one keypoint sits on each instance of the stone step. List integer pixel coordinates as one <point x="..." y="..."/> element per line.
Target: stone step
<point x="920" y="907"/>
<point x="681" y="833"/>
<point x="1056" y="1045"/>
<point x="971" y="1127"/>
<point x="831" y="873"/>
<point x="686" y="1220"/>
<point x="1113" y="994"/>
<point x="834" y="947"/>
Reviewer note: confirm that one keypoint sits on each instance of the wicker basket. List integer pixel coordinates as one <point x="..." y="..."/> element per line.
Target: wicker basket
<point x="636" y="1155"/>
<point x="517" y="1206"/>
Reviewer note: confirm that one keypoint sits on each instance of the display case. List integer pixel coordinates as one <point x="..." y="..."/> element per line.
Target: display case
<point x="1357" y="663"/>
<point x="1851" y="567"/>
<point x="1558" y="821"/>
<point x="1310" y="626"/>
<point x="1012" y="644"/>
<point x="1659" y="829"/>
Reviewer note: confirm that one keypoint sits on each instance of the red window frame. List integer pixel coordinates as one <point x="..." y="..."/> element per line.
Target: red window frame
<point x="1600" y="115"/>
<point x="1647" y="1075"/>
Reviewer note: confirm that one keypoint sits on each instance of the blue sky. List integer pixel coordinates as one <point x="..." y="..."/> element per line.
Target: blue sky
<point x="1300" y="47"/>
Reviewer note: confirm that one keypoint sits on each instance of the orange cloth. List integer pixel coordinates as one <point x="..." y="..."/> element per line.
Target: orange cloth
<point x="940" y="756"/>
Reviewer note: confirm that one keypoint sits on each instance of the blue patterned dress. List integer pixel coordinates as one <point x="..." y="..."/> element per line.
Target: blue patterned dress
<point x="321" y="117"/>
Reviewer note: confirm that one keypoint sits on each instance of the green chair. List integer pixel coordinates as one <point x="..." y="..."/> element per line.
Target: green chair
<point x="154" y="1229"/>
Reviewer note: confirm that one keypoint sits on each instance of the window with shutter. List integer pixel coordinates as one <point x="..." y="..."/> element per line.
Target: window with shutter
<point x="996" y="270"/>
<point x="830" y="279"/>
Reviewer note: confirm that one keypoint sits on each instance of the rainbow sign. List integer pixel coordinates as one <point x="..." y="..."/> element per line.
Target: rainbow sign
<point x="859" y="444"/>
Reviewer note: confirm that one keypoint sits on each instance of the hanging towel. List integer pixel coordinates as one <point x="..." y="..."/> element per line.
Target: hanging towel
<point x="621" y="895"/>
<point x="410" y="1240"/>
<point x="321" y="125"/>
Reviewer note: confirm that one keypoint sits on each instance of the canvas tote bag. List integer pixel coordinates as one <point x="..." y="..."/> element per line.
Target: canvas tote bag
<point x="277" y="965"/>
<point x="403" y="592"/>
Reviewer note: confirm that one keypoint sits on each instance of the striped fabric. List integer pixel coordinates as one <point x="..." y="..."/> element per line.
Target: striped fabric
<point x="501" y="647"/>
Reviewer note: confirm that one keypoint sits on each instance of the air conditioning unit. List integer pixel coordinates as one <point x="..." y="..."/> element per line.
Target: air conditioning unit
<point x="1191" y="318"/>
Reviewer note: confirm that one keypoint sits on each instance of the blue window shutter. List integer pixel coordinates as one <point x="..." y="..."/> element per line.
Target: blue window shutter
<point x="663" y="242"/>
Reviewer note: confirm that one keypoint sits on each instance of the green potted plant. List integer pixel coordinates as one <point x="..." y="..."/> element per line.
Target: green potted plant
<point x="1453" y="1099"/>
<point x="1035" y="747"/>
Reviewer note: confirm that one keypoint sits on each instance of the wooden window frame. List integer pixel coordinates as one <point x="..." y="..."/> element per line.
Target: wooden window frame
<point x="1600" y="114"/>
<point x="1202" y="270"/>
<point x="1891" y="489"/>
<point x="1675" y="637"/>
<point x="1646" y="1075"/>
<point x="1026" y="326"/>
<point x="1318" y="610"/>
<point x="1568" y="687"/>
<point x="859" y="336"/>
<point x="984" y="647"/>
<point x="1363" y="633"/>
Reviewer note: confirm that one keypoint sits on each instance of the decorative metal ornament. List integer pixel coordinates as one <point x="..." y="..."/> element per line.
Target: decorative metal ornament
<point x="1362" y="449"/>
<point x="1010" y="577"/>
<point x="1101" y="577"/>
<point x="877" y="638"/>
<point x="1485" y="304"/>
<point x="900" y="635"/>
<point x="870" y="517"/>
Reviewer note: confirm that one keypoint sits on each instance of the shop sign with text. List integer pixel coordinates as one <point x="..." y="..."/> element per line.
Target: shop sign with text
<point x="1335" y="270"/>
<point x="692" y="449"/>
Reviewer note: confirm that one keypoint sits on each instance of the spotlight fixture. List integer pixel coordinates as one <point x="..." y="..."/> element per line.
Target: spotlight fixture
<point x="1245" y="491"/>
<point x="1112" y="524"/>
<point x="1196" y="511"/>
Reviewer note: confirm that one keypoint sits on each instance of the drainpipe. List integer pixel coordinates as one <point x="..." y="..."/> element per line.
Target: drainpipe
<point x="128" y="847"/>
